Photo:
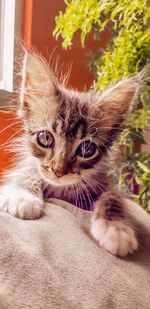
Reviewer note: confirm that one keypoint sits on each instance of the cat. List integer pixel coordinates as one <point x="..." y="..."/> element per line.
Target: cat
<point x="66" y="153"/>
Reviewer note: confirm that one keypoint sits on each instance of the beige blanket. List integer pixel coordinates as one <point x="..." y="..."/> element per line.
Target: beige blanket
<point x="53" y="263"/>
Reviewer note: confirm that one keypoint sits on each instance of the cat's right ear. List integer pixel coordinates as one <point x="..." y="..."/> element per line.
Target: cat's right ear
<point x="37" y="81"/>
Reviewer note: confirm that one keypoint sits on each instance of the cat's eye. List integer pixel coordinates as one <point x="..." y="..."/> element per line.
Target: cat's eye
<point x="86" y="149"/>
<point x="45" y="139"/>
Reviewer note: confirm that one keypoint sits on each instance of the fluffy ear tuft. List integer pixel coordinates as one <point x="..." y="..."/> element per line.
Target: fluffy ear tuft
<point x="37" y="80"/>
<point x="117" y="101"/>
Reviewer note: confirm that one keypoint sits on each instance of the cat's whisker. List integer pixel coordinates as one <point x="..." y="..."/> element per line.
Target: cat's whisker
<point x="135" y="134"/>
<point x="76" y="201"/>
<point x="98" y="146"/>
<point x="114" y="129"/>
<point x="78" y="196"/>
<point x="89" y="196"/>
<point x="74" y="191"/>
<point x="75" y="188"/>
<point x="61" y="118"/>
<point x="99" y="185"/>
<point x="105" y="139"/>
<point x="88" y="182"/>
<point x="81" y="195"/>
<point x="8" y="106"/>
<point x="119" y="129"/>
<point x="10" y="138"/>
<point x="9" y="126"/>
<point x="95" y="184"/>
<point x="96" y="120"/>
<point x="82" y="198"/>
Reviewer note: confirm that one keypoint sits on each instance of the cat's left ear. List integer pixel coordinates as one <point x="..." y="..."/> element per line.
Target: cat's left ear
<point x="115" y="103"/>
<point x="37" y="80"/>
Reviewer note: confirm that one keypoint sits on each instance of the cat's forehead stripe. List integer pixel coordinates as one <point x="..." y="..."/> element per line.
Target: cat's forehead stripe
<point x="71" y="116"/>
<point x="70" y="127"/>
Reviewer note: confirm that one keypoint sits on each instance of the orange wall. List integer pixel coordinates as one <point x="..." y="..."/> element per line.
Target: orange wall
<point x="9" y="128"/>
<point x="43" y="24"/>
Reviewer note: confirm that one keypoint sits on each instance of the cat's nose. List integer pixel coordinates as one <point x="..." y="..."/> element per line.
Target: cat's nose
<point x="60" y="170"/>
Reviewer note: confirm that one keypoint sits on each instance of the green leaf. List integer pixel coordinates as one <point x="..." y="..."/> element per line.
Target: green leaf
<point x="143" y="167"/>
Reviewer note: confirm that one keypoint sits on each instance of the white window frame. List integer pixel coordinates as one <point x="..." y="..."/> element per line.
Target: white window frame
<point x="7" y="35"/>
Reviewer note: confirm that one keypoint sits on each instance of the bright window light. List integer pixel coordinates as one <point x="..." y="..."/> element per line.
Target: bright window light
<point x="7" y="30"/>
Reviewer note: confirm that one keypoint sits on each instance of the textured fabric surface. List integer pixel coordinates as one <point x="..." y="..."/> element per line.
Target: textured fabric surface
<point x="53" y="263"/>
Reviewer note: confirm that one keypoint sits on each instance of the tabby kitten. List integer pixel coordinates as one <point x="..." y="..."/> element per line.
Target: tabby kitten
<point x="67" y="153"/>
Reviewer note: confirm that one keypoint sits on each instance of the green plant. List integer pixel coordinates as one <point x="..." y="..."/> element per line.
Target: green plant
<point x="125" y="55"/>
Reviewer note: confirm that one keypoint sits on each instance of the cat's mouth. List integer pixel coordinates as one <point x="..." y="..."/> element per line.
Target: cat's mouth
<point x="67" y="179"/>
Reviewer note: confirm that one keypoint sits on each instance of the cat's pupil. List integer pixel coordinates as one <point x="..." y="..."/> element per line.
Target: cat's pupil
<point x="86" y="149"/>
<point x="45" y="139"/>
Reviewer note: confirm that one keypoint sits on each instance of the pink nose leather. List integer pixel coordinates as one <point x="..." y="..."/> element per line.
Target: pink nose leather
<point x="60" y="172"/>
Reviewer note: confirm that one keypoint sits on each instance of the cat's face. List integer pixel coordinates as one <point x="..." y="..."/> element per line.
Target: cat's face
<point x="65" y="139"/>
<point x="70" y="133"/>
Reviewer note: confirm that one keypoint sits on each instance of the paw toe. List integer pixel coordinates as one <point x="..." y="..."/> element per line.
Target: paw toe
<point x="118" y="239"/>
<point x="29" y="211"/>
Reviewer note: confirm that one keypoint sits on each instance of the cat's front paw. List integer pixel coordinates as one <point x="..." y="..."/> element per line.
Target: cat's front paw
<point x="112" y="228"/>
<point x="117" y="238"/>
<point x="20" y="203"/>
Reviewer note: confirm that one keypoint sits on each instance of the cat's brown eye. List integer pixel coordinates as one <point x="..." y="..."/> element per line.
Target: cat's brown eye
<point x="45" y="139"/>
<point x="86" y="149"/>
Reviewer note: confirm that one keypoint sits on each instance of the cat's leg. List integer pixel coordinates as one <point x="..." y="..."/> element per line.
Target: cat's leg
<point x="112" y="227"/>
<point x="21" y="196"/>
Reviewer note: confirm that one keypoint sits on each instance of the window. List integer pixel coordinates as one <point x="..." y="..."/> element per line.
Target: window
<point x="7" y="33"/>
